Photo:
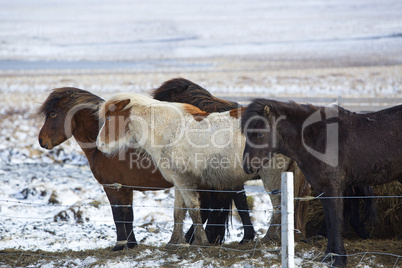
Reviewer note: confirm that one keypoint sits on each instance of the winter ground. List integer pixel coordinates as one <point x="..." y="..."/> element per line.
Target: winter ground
<point x="54" y="213"/>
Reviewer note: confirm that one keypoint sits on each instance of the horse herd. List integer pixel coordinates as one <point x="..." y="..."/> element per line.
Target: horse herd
<point x="207" y="148"/>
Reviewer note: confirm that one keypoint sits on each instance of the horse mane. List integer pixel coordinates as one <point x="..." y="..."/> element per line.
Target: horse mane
<point x="291" y="110"/>
<point x="138" y="100"/>
<point x="143" y="102"/>
<point x="185" y="91"/>
<point x="72" y="97"/>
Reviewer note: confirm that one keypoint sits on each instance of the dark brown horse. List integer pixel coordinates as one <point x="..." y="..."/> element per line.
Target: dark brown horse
<point x="73" y="112"/>
<point x="185" y="91"/>
<point x="335" y="149"/>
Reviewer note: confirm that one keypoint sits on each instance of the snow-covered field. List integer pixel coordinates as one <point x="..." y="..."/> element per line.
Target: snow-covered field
<point x="136" y="30"/>
<point x="50" y="201"/>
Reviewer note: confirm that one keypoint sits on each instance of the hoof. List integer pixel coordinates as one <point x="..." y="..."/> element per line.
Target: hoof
<point x="270" y="240"/>
<point x="120" y="245"/>
<point x="272" y="237"/>
<point x="132" y="244"/>
<point x="175" y="246"/>
<point x="338" y="261"/>
<point x="171" y="246"/>
<point x="245" y="241"/>
<point x="201" y="242"/>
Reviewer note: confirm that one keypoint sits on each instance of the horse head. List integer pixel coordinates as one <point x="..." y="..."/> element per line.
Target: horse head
<point x="258" y="123"/>
<point x="60" y="110"/>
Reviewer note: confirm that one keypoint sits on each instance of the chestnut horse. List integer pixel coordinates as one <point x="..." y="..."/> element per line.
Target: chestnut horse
<point x="185" y="91"/>
<point x="73" y="112"/>
<point x="192" y="149"/>
<point x="336" y="149"/>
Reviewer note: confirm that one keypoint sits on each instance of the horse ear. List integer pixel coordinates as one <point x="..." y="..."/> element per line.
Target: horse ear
<point x="121" y="104"/>
<point x="266" y="110"/>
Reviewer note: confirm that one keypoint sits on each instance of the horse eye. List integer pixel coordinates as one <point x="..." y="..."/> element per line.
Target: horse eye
<point x="260" y="135"/>
<point x="53" y="114"/>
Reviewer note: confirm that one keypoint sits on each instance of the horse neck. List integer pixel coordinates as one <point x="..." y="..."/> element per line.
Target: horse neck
<point x="289" y="127"/>
<point x="86" y="129"/>
<point x="295" y="132"/>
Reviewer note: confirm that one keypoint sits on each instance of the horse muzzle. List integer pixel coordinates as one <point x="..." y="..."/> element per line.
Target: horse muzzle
<point x="46" y="145"/>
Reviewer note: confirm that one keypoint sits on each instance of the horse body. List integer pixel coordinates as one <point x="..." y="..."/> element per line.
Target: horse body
<point x="381" y="131"/>
<point x="369" y="151"/>
<point x="186" y="144"/>
<point x="185" y="91"/>
<point x="185" y="132"/>
<point x="71" y="112"/>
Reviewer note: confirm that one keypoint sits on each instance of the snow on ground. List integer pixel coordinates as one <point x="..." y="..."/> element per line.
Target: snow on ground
<point x="133" y="30"/>
<point x="49" y="200"/>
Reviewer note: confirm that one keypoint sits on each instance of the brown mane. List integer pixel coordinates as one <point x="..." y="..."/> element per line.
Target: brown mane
<point x="185" y="91"/>
<point x="71" y="97"/>
<point x="276" y="108"/>
<point x="195" y="112"/>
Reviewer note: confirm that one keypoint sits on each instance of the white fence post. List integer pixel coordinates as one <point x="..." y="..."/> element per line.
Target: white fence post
<point x="287" y="228"/>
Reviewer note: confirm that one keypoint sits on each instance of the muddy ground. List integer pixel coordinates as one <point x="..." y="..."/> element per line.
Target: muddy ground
<point x="253" y="254"/>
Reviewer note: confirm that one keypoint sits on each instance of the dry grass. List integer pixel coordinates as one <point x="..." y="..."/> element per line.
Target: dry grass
<point x="389" y="211"/>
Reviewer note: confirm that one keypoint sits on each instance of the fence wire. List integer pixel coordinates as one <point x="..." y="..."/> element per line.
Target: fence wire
<point x="256" y="248"/>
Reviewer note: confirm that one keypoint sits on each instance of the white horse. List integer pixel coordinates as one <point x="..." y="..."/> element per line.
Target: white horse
<point x="192" y="149"/>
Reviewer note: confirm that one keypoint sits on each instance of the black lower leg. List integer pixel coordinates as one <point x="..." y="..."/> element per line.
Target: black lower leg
<point x="240" y="200"/>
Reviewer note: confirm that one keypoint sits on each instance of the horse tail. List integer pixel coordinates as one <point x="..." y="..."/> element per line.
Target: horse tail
<point x="352" y="210"/>
<point x="186" y="91"/>
<point x="301" y="189"/>
<point x="369" y="206"/>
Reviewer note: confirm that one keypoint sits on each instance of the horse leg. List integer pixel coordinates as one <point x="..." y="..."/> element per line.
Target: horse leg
<point x="273" y="234"/>
<point x="220" y="204"/>
<point x="272" y="181"/>
<point x="192" y="202"/>
<point x="333" y="211"/>
<point x="240" y="200"/>
<point x="301" y="189"/>
<point x="205" y="204"/>
<point x="121" y="202"/>
<point x="178" y="215"/>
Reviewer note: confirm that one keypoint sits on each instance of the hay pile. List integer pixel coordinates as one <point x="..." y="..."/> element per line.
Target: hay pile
<point x="389" y="211"/>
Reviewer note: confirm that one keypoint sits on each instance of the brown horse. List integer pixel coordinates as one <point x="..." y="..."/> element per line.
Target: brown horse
<point x="185" y="91"/>
<point x="73" y="112"/>
<point x="336" y="149"/>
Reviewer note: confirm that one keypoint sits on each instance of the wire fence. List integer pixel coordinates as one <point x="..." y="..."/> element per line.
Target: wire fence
<point x="255" y="248"/>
